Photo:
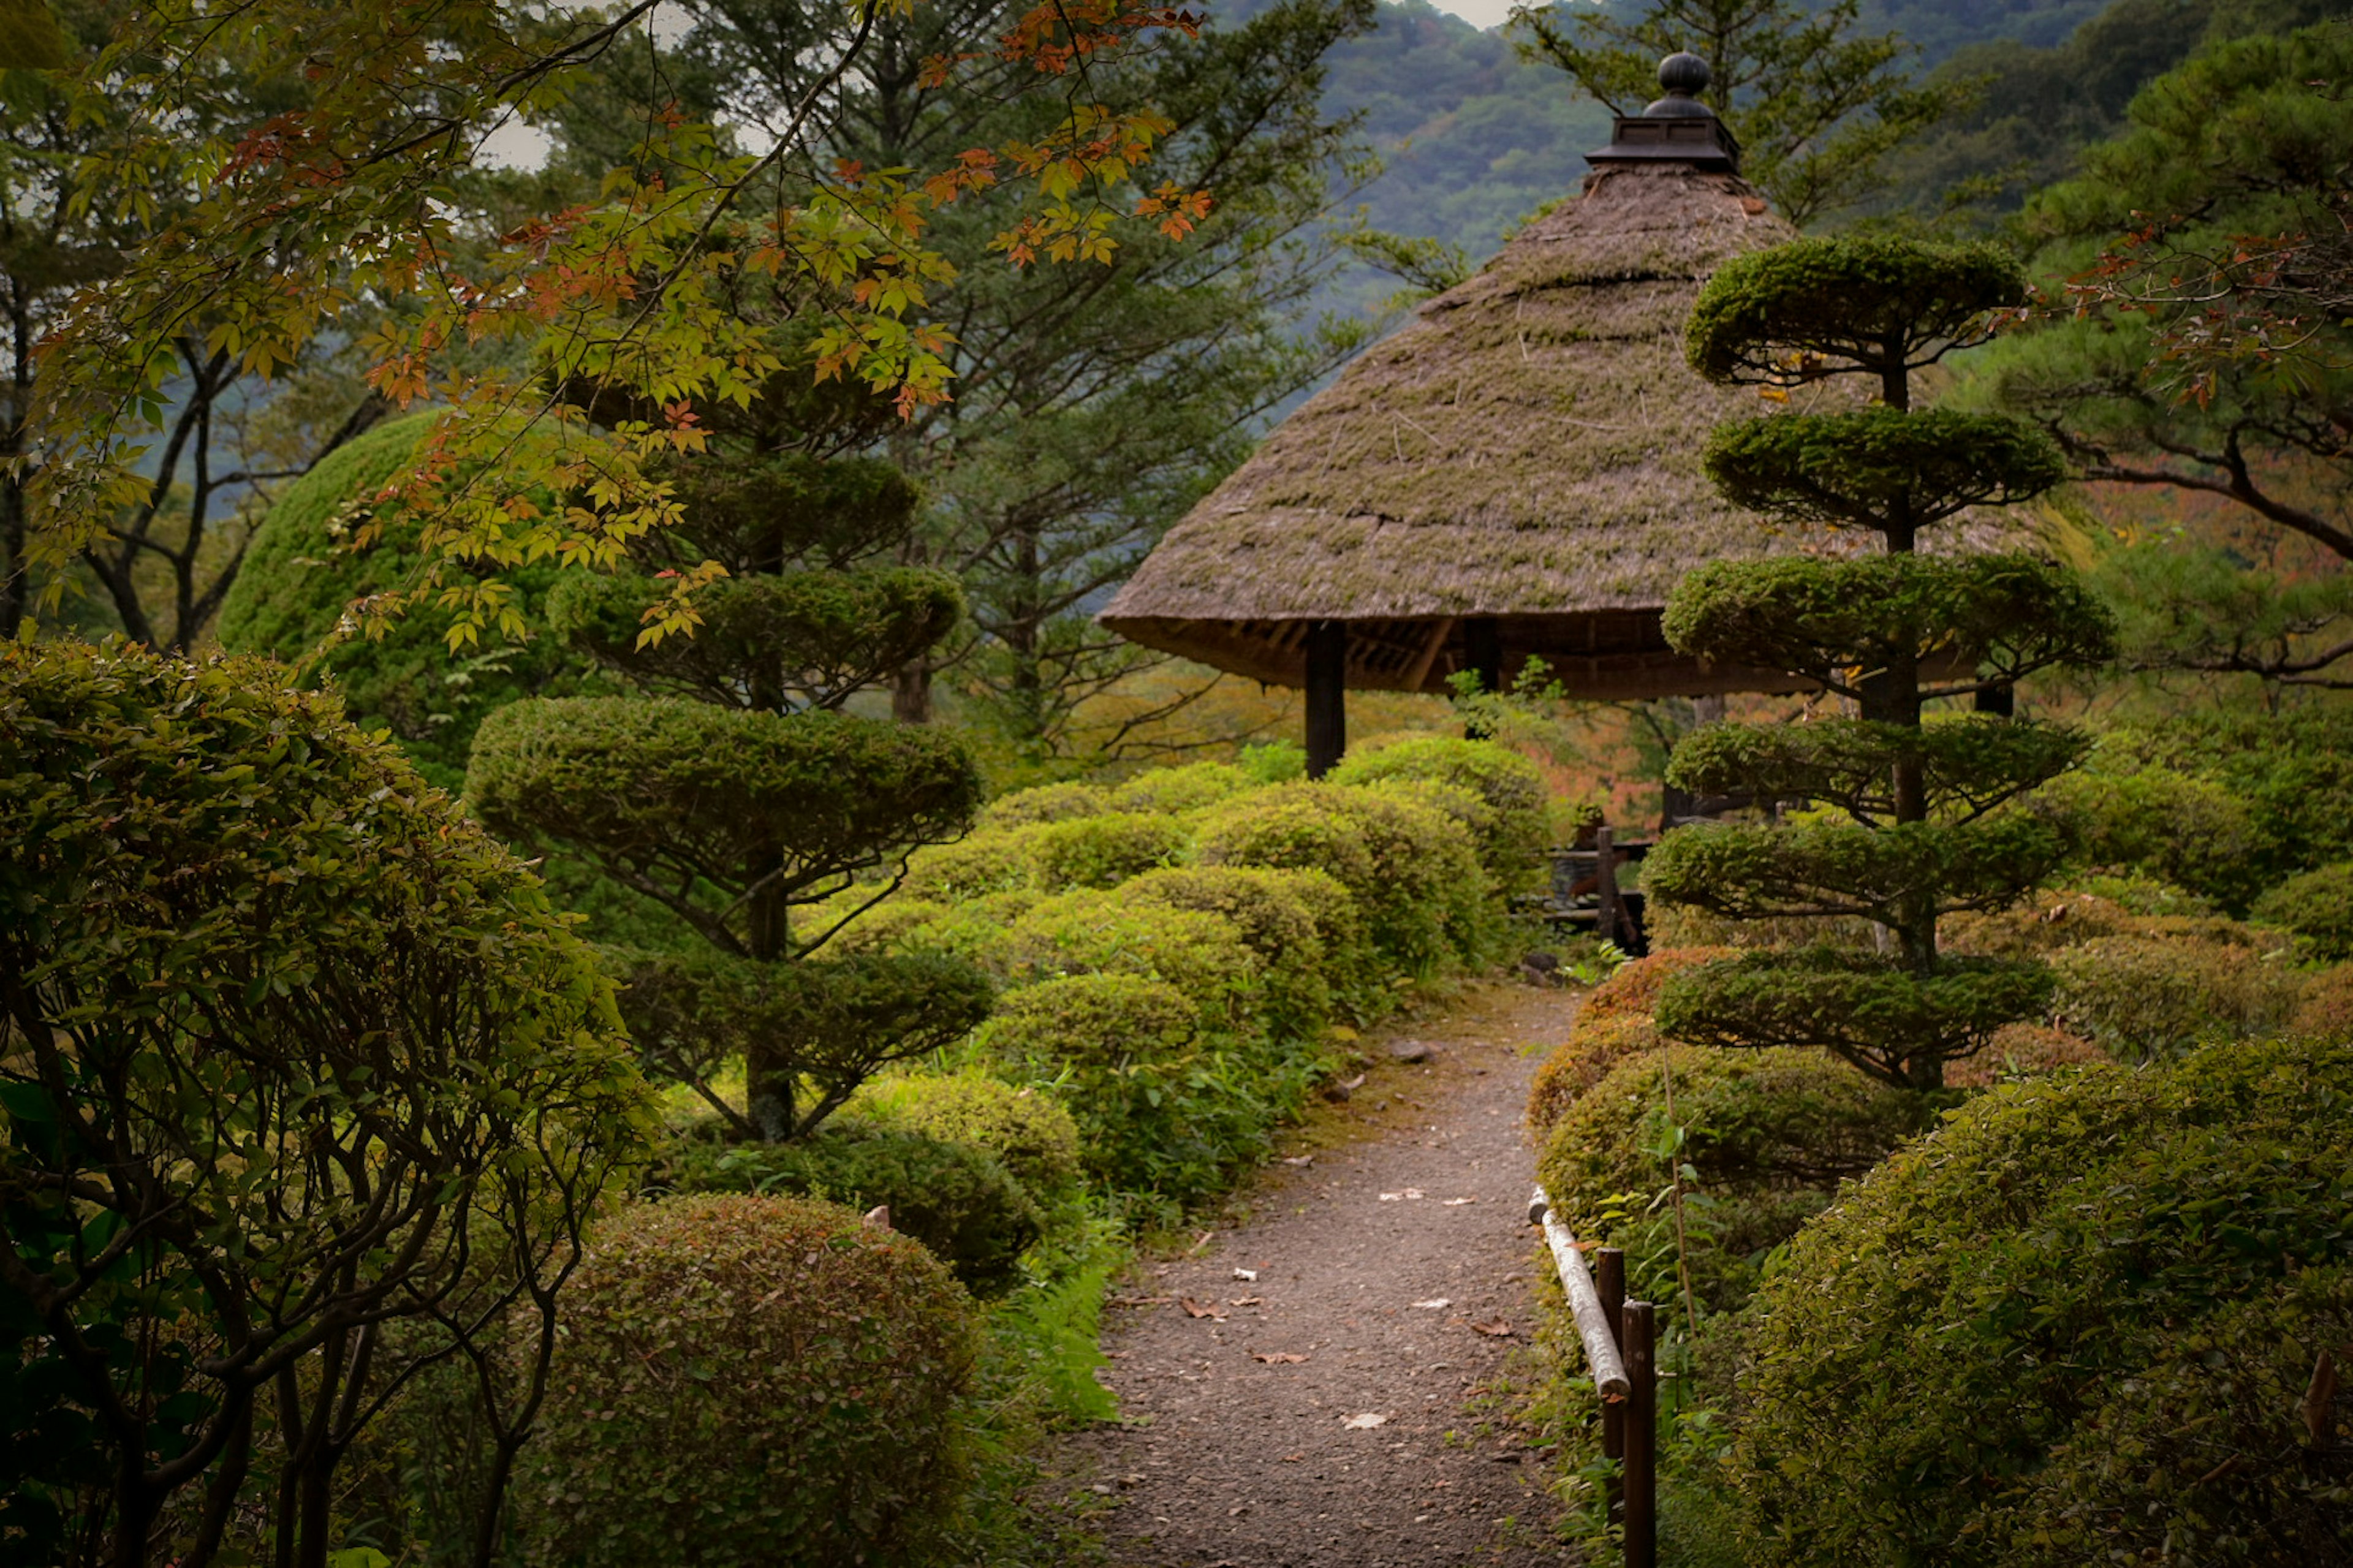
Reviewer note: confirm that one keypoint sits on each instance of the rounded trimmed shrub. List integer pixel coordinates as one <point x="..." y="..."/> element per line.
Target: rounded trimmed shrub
<point x="2318" y="907"/>
<point x="1160" y="1106"/>
<point x="1271" y="910"/>
<point x="1517" y="832"/>
<point x="991" y="860"/>
<point x="2020" y="1049"/>
<point x="1046" y="803"/>
<point x="1412" y="869"/>
<point x="1635" y="987"/>
<point x="1176" y="791"/>
<point x="1027" y="1132"/>
<point x="2326" y="1009"/>
<point x="2143" y="998"/>
<point x="1095" y="931"/>
<point x="2190" y="832"/>
<point x="2019" y="1340"/>
<point x="301" y="573"/>
<point x="953" y="1197"/>
<point x="1768" y="1137"/>
<point x="748" y="1381"/>
<point x="1592" y="1049"/>
<point x="1104" y="851"/>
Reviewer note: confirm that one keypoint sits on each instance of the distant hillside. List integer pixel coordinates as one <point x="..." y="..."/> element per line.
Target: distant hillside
<point x="1474" y="139"/>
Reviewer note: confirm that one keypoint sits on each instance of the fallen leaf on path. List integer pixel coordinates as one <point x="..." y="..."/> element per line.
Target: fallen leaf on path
<point x="1301" y="1160"/>
<point x="1436" y="1303"/>
<point x="1496" y="1327"/>
<point x="1292" y="1458"/>
<point x="1246" y="1300"/>
<point x="1137" y="1301"/>
<point x="1394" y="1198"/>
<point x="1365" y="1422"/>
<point x="1246" y="1274"/>
<point x="1201" y="1309"/>
<point x="1277" y="1358"/>
<point x="1202" y="1240"/>
<point x="1458" y="1202"/>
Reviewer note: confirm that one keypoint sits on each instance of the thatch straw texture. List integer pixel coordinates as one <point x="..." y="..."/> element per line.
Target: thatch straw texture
<point x="1528" y="449"/>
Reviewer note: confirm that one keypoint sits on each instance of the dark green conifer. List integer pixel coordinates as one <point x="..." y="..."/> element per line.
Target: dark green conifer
<point x="1926" y="821"/>
<point x="738" y="790"/>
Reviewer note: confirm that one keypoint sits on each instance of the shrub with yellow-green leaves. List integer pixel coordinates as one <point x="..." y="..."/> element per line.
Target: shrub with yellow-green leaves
<point x="748" y="1380"/>
<point x="1104" y="851"/>
<point x="2074" y="1325"/>
<point x="1514" y="825"/>
<point x="1026" y="1131"/>
<point x="2144" y="998"/>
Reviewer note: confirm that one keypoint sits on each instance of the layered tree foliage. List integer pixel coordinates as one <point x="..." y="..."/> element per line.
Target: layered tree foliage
<point x="737" y="790"/>
<point x="1923" y="834"/>
<point x="305" y="1088"/>
<point x="1818" y="105"/>
<point x="1094" y="403"/>
<point x="334" y="221"/>
<point x="2198" y="335"/>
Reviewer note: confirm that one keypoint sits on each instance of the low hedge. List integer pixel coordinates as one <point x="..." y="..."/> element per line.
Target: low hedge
<point x="2146" y="998"/>
<point x="1027" y="1132"/>
<point x="2318" y="907"/>
<point x="748" y="1381"/>
<point x="1634" y="988"/>
<point x="1047" y="802"/>
<point x="1767" y="1137"/>
<point x="1161" y="1106"/>
<point x="1593" y="1048"/>
<point x="1517" y="829"/>
<point x="1176" y="792"/>
<point x="1282" y="916"/>
<point x="2067" y="1328"/>
<point x="1104" y="851"/>
<point x="954" y="1196"/>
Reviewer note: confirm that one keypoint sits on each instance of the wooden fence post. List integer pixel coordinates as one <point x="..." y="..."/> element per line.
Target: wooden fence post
<point x="1610" y="1284"/>
<point x="1639" y="1342"/>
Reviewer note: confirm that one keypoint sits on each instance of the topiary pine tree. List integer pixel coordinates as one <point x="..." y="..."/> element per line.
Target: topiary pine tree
<point x="1925" y="831"/>
<point x="737" y="789"/>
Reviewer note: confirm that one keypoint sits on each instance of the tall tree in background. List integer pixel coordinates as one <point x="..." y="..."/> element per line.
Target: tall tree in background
<point x="332" y="222"/>
<point x="1094" y="404"/>
<point x="172" y="547"/>
<point x="1892" y="630"/>
<point x="1818" y="106"/>
<point x="2199" y="335"/>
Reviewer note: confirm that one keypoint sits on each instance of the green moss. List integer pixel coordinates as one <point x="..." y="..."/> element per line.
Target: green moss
<point x="301" y="572"/>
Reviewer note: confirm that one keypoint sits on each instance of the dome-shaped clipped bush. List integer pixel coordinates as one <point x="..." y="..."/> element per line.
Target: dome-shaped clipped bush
<point x="1091" y="930"/>
<point x="1594" y="1046"/>
<point x="2325" y="1010"/>
<point x="993" y="859"/>
<point x="955" y="1197"/>
<point x="1513" y="844"/>
<point x="1635" y="987"/>
<point x="2318" y="907"/>
<point x="1046" y="803"/>
<point x="300" y="573"/>
<point x="1159" y="1107"/>
<point x="1296" y="922"/>
<point x="1768" y="1136"/>
<point x="2149" y="998"/>
<point x="1176" y="791"/>
<point x="2073" y="1326"/>
<point x="1026" y="1131"/>
<point x="1104" y="851"/>
<point x="748" y="1381"/>
<point x="1412" y="869"/>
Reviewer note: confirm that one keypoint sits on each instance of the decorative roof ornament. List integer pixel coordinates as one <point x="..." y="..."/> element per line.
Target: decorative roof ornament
<point x="1677" y="128"/>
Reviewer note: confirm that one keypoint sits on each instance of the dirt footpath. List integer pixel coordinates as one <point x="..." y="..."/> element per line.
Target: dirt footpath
<point x="1301" y="1390"/>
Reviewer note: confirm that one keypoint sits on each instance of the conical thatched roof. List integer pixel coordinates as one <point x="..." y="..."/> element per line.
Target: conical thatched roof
<point x="1527" y="450"/>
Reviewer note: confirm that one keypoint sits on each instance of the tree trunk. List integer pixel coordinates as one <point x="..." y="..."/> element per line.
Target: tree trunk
<point x="768" y="1090"/>
<point x="910" y="692"/>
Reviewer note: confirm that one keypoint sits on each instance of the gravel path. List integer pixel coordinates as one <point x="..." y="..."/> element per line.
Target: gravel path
<point x="1298" y="1391"/>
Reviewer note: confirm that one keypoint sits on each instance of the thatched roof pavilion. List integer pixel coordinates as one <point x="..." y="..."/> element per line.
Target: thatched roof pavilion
<point x="1516" y="473"/>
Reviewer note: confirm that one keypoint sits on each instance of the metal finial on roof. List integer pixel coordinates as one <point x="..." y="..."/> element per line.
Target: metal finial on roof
<point x="1684" y="76"/>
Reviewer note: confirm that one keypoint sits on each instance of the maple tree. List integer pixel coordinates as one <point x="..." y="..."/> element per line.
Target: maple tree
<point x="344" y="215"/>
<point x="1093" y="403"/>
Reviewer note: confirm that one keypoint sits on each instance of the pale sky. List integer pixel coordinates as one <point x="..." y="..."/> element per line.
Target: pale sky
<point x="1478" y="13"/>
